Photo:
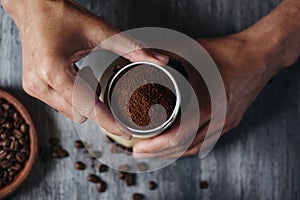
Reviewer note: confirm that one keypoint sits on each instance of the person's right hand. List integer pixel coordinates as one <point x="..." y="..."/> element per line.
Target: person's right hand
<point x="55" y="35"/>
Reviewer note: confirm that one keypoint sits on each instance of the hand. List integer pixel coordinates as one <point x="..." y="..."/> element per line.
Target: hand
<point x="55" y="35"/>
<point x="246" y="62"/>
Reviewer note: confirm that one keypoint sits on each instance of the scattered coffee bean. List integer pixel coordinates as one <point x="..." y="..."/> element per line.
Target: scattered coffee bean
<point x="14" y="143"/>
<point x="152" y="185"/>
<point x="63" y="153"/>
<point x="80" y="165"/>
<point x="93" y="178"/>
<point x="203" y="184"/>
<point x="103" y="168"/>
<point x="101" y="186"/>
<point x="79" y="144"/>
<point x="141" y="166"/>
<point x="56" y="150"/>
<point x="138" y="196"/>
<point x="122" y="175"/>
<point x="130" y="179"/>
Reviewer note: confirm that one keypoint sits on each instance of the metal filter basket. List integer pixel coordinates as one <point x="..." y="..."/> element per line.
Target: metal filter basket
<point x="138" y="133"/>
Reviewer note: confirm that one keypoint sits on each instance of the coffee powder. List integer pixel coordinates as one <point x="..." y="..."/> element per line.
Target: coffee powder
<point x="143" y="97"/>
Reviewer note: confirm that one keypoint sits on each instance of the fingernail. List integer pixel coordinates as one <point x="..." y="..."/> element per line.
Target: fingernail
<point x="159" y="56"/>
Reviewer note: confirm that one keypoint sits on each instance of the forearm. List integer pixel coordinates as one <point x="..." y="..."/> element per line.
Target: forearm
<point x="278" y="35"/>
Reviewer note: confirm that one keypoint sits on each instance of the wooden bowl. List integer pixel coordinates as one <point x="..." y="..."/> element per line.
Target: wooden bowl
<point x="24" y="172"/>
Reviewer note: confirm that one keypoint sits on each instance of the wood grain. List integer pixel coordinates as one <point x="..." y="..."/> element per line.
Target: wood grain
<point x="257" y="160"/>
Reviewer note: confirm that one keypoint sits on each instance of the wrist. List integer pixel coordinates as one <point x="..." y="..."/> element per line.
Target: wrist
<point x="20" y="10"/>
<point x="277" y="36"/>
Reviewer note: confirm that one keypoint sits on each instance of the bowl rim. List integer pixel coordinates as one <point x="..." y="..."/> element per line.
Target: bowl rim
<point x="25" y="171"/>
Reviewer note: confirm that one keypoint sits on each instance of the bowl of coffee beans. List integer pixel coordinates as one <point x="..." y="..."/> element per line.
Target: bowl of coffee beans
<point x="144" y="98"/>
<point x="18" y="144"/>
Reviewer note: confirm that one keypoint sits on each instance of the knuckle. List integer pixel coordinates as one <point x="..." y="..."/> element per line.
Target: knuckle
<point x="138" y="45"/>
<point x="30" y="84"/>
<point x="47" y="74"/>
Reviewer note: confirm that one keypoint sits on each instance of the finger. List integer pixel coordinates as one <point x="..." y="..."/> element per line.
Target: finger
<point x="104" y="36"/>
<point x="179" y="135"/>
<point x="132" y="49"/>
<point x="173" y="151"/>
<point x="63" y="78"/>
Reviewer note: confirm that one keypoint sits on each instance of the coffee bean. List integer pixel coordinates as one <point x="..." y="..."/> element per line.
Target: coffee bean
<point x="4" y="136"/>
<point x="24" y="128"/>
<point x="3" y="154"/>
<point x="6" y="106"/>
<point x="101" y="186"/>
<point x="10" y="156"/>
<point x="103" y="168"/>
<point x="17" y="134"/>
<point x="5" y="164"/>
<point x="14" y="145"/>
<point x="152" y="185"/>
<point x="138" y="196"/>
<point x="25" y="151"/>
<point x="16" y="167"/>
<point x="17" y="123"/>
<point x="203" y="184"/>
<point x="80" y="165"/>
<point x="130" y="179"/>
<point x="23" y="142"/>
<point x="7" y="125"/>
<point x="5" y="143"/>
<point x="122" y="175"/>
<point x="93" y="178"/>
<point x="12" y="173"/>
<point x="141" y="166"/>
<point x="78" y="144"/>
<point x="63" y="153"/>
<point x="20" y="157"/>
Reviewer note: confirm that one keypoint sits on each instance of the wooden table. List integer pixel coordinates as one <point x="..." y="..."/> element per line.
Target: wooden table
<point x="257" y="160"/>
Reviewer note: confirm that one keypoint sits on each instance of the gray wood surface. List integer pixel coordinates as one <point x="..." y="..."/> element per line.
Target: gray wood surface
<point x="257" y="160"/>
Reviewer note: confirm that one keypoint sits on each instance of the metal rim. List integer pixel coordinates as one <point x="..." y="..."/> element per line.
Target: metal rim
<point x="151" y="132"/>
